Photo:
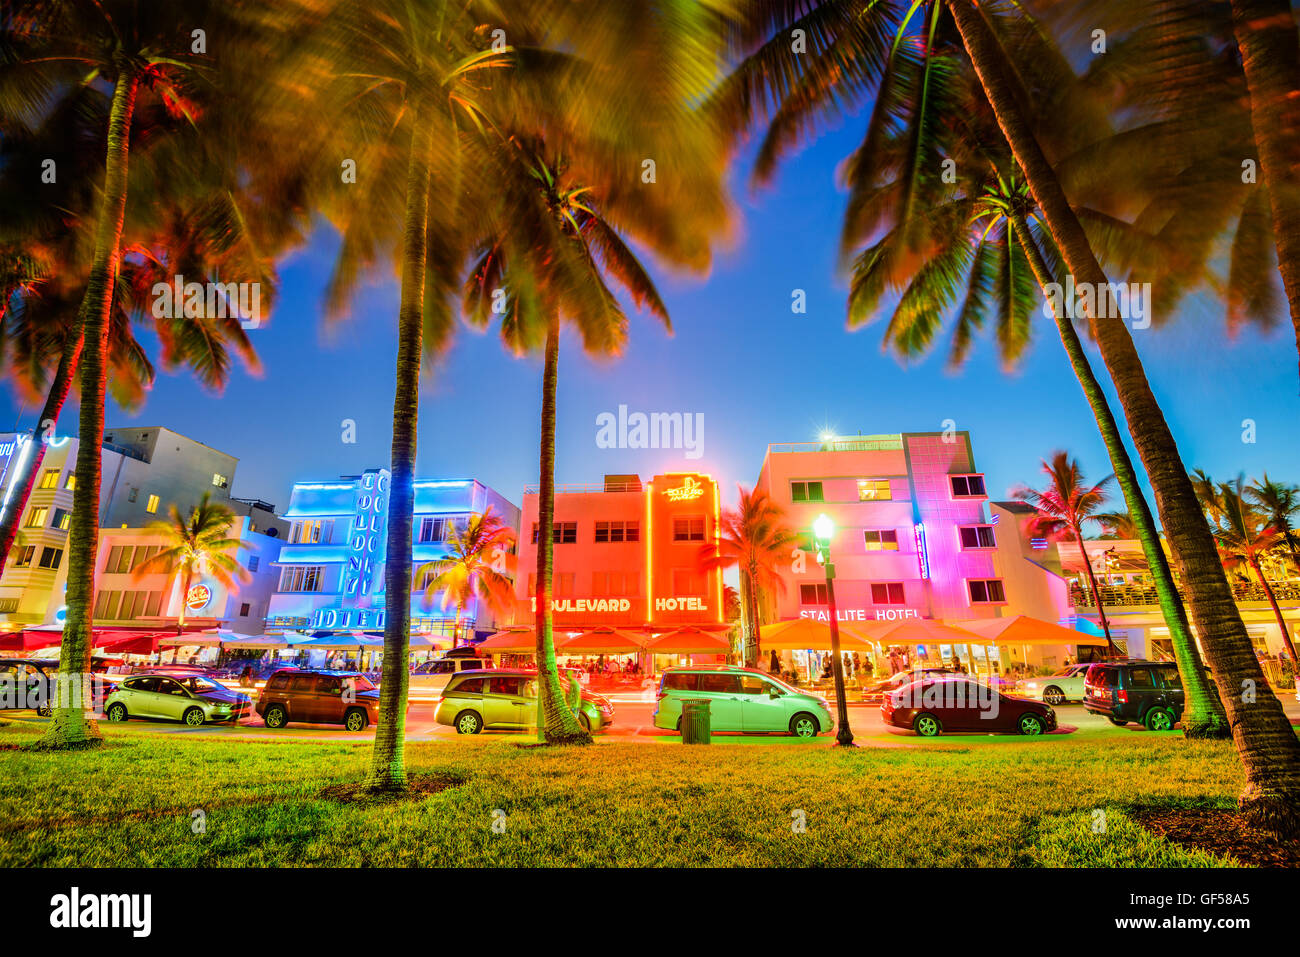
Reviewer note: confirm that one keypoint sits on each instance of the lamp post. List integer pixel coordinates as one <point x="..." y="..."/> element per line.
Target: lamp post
<point x="823" y="530"/>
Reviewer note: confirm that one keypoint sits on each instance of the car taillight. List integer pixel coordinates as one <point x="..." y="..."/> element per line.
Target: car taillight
<point x="661" y="695"/>
<point x="1123" y="697"/>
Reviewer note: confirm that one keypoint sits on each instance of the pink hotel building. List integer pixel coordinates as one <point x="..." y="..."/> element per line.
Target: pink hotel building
<point x="912" y="539"/>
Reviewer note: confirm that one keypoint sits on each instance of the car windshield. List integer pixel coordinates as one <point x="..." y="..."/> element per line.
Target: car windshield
<point x="360" y="683"/>
<point x="199" y="685"/>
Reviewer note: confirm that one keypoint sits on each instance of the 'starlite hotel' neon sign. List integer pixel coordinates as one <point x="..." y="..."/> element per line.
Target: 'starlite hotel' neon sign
<point x="688" y="491"/>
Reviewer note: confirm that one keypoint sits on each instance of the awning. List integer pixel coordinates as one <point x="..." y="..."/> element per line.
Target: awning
<point x="800" y="633"/>
<point x="689" y="640"/>
<point x="510" y="641"/>
<point x="913" y="630"/>
<point x="609" y="641"/>
<point x="1027" y="630"/>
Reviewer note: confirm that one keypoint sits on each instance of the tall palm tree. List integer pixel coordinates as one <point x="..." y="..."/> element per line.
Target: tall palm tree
<point x="133" y="55"/>
<point x="754" y="538"/>
<point x="198" y="544"/>
<point x="1245" y="535"/>
<point x="974" y="242"/>
<point x="1117" y="525"/>
<point x="479" y="564"/>
<point x="1063" y="507"/>
<point x="1281" y="503"/>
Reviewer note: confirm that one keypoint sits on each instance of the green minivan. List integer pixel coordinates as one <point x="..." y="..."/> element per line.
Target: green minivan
<point x="506" y="699"/>
<point x="741" y="699"/>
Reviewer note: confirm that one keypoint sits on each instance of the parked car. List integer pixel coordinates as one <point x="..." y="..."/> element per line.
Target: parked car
<point x="26" y="683"/>
<point x="435" y="675"/>
<point x="506" y="699"/>
<point x="1149" y="692"/>
<point x="873" y="691"/>
<point x="193" y="699"/>
<point x="944" y="703"/>
<point x="741" y="699"/>
<point x="1065" y="685"/>
<point x="319" y="697"/>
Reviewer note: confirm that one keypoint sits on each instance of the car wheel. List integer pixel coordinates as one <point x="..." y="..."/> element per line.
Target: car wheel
<point x="585" y="722"/>
<point x="275" y="717"/>
<point x="1030" y="724"/>
<point x="468" y="722"/>
<point x="1159" y="719"/>
<point x="1117" y="722"/>
<point x="44" y="711"/>
<point x="193" y="717"/>
<point x="1053" y="695"/>
<point x="355" y="720"/>
<point x="804" y="725"/>
<point x="926" y="725"/>
<point x="116" y="711"/>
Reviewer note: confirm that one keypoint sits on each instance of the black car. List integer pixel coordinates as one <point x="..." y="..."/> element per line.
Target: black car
<point x="1148" y="692"/>
<point x="25" y="684"/>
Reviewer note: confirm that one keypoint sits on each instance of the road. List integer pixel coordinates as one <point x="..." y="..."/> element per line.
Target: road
<point x="632" y="722"/>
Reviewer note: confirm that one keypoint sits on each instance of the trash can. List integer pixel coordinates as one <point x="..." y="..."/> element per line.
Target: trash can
<point x="696" y="723"/>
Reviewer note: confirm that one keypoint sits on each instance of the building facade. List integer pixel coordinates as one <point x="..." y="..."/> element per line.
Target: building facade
<point x="627" y="554"/>
<point x="331" y="565"/>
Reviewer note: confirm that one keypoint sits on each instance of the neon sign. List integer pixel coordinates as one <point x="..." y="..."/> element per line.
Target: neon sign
<point x="688" y="491"/>
<point x="197" y="597"/>
<point x="922" y="553"/>
<point x="367" y="534"/>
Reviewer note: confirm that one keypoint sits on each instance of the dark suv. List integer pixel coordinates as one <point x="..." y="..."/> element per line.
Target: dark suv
<point x="1148" y="692"/>
<point x="319" y="697"/>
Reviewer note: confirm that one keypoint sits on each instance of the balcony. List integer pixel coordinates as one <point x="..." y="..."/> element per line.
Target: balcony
<point x="1119" y="596"/>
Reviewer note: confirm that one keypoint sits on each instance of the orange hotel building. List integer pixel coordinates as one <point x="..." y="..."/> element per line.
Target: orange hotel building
<point x="626" y="554"/>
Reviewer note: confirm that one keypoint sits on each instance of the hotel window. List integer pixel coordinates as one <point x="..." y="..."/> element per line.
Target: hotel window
<point x="25" y="555"/>
<point x="62" y="519"/>
<point x="119" y="560"/>
<point x="253" y="562"/>
<point x="220" y="481"/>
<point x="106" y="604"/>
<point x="618" y="532"/>
<point x="152" y="505"/>
<point x="813" y="595"/>
<point x="302" y="578"/>
<point x="689" y="528"/>
<point x="888" y="593"/>
<point x="977" y="536"/>
<point x="881" y="539"/>
<point x="986" y="591"/>
<point x="967" y="486"/>
<point x="874" y="490"/>
<point x="562" y="585"/>
<point x="562" y="533"/>
<point x="312" y="532"/>
<point x="50" y="557"/>
<point x="132" y="495"/>
<point x="36" y="517"/>
<point x="615" y="584"/>
<point x="806" y="491"/>
<point x="142" y="554"/>
<point x="688" y="582"/>
<point x="50" y="479"/>
<point x="70" y="483"/>
<point x="244" y="609"/>
<point x="440" y="529"/>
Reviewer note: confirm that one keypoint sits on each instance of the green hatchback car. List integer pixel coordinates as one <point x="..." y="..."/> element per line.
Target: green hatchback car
<point x="506" y="699"/>
<point x="741" y="699"/>
<point x="190" y="698"/>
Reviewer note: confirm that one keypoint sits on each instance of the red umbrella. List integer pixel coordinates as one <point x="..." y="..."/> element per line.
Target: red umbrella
<point x="602" y="640"/>
<point x="29" y="639"/>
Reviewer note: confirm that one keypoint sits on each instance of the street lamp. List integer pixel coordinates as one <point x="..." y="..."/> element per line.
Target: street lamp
<point x="823" y="530"/>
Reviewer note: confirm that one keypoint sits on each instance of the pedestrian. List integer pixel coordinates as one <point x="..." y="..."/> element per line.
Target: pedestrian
<point x="774" y="665"/>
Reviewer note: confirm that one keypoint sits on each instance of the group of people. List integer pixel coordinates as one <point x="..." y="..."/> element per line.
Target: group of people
<point x="600" y="665"/>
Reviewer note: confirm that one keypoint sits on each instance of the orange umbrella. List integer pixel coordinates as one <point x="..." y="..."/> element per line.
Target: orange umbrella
<point x="603" y="640"/>
<point x="799" y="633"/>
<point x="1027" y="630"/>
<point x="911" y="630"/>
<point x="512" y="640"/>
<point x="689" y="640"/>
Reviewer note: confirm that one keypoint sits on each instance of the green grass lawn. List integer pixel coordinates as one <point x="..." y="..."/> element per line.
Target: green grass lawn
<point x="976" y="801"/>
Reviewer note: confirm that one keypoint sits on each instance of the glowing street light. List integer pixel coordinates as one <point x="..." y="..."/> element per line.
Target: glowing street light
<point x="823" y="531"/>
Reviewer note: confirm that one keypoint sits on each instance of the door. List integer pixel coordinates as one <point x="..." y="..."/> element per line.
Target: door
<point x="726" y="708"/>
<point x="171" y="699"/>
<point x="301" y="698"/>
<point x="328" y="699"/>
<point x="763" y="706"/>
<point x="504" y="702"/>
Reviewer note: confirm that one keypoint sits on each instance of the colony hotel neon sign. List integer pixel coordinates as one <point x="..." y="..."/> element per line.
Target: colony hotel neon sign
<point x="688" y="491"/>
<point x="367" y="523"/>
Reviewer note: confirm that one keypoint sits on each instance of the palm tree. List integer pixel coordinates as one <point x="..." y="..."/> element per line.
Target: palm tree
<point x="1063" y="507"/>
<point x="480" y="558"/>
<point x="1281" y="503"/>
<point x="1117" y="525"/>
<point x="197" y="545"/>
<point x="1245" y="535"/>
<point x="754" y="538"/>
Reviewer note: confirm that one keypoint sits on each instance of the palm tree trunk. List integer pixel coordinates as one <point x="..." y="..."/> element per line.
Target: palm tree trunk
<point x="1265" y="740"/>
<point x="560" y="726"/>
<point x="1204" y="716"/>
<point x="755" y="620"/>
<point x="187" y="580"/>
<point x="25" y="479"/>
<point x="1270" y="56"/>
<point x="1096" y="592"/>
<point x="1277" y="611"/>
<point x="388" y="767"/>
<point x="71" y="727"/>
<point x="746" y="615"/>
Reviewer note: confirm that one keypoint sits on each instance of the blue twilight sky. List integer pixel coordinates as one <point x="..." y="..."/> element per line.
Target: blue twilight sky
<point x="757" y="373"/>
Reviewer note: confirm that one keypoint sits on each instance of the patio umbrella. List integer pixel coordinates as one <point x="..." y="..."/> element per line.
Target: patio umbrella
<point x="510" y="641"/>
<point x="1027" y="630"/>
<point x="130" y="644"/>
<point x="801" y="633"/>
<point x="30" y="639"/>
<point x="609" y="641"/>
<point x="913" y="630"/>
<point x="689" y="640"/>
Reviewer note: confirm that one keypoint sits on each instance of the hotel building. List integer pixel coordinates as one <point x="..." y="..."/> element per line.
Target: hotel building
<point x="627" y="554"/>
<point x="331" y="565"/>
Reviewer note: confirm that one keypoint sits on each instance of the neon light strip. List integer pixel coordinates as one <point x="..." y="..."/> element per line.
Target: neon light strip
<point x="717" y="550"/>
<point x="649" y="566"/>
<point x="457" y="484"/>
